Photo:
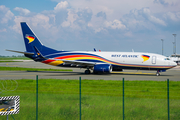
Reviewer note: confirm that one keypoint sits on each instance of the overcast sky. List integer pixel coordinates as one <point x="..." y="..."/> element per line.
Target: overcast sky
<point x="82" y="25"/>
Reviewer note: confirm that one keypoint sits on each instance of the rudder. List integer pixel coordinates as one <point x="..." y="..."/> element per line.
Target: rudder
<point x="30" y="38"/>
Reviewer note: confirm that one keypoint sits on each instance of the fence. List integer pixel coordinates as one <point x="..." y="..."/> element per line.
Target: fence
<point x="95" y="99"/>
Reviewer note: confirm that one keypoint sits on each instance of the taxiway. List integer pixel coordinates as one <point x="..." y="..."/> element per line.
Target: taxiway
<point x="172" y="74"/>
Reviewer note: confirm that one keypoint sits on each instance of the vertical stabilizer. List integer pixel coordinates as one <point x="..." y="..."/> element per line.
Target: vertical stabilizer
<point x="33" y="44"/>
<point x="30" y="38"/>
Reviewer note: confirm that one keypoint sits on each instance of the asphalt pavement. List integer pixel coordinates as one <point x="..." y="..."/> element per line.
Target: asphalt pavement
<point x="172" y="74"/>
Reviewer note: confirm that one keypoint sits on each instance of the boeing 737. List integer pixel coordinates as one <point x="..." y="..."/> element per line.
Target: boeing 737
<point x="96" y="62"/>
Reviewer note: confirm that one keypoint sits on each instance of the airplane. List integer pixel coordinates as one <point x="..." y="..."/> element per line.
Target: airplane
<point x="96" y="62"/>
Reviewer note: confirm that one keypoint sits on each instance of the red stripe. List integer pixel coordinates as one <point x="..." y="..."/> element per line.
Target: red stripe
<point x="145" y="56"/>
<point x="48" y="61"/>
<point x="72" y="56"/>
<point x="30" y="37"/>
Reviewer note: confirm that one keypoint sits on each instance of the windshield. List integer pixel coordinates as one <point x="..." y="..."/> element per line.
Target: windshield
<point x="167" y="59"/>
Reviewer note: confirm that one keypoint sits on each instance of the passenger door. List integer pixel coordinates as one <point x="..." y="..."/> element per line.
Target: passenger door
<point x="153" y="59"/>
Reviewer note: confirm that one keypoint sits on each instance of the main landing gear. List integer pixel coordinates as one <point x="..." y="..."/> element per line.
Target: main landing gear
<point x="87" y="71"/>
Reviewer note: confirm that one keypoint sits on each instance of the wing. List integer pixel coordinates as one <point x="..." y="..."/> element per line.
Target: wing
<point x="74" y="62"/>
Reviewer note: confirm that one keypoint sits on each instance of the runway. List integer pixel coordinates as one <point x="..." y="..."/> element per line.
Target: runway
<point x="172" y="74"/>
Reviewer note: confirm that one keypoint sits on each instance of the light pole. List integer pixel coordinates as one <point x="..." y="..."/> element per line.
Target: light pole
<point x="162" y="45"/>
<point x="173" y="47"/>
<point x="174" y="44"/>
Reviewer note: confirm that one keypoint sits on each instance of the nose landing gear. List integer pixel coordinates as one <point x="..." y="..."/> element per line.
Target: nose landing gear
<point x="157" y="73"/>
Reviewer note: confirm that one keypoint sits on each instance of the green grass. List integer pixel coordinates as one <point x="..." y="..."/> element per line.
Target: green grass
<point x="10" y="61"/>
<point x="101" y="99"/>
<point x="14" y="58"/>
<point x="29" y="69"/>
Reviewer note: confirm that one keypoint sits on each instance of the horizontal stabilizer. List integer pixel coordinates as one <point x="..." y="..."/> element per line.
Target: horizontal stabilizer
<point x="39" y="53"/>
<point x="28" y="53"/>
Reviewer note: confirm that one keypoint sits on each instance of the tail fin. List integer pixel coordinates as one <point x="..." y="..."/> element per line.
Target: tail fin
<point x="33" y="44"/>
<point x="30" y="38"/>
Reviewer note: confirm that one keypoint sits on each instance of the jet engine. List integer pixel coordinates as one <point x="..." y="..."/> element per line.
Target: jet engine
<point x="102" y="68"/>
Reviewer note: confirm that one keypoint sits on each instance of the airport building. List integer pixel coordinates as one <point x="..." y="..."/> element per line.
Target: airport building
<point x="175" y="58"/>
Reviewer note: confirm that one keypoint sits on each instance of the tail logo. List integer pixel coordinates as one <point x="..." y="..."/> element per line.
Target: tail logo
<point x="145" y="57"/>
<point x="30" y="38"/>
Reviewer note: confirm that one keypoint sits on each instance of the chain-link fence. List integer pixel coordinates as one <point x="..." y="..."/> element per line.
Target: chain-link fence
<point x="57" y="99"/>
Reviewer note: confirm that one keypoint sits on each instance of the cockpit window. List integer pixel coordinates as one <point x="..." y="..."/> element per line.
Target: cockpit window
<point x="166" y="59"/>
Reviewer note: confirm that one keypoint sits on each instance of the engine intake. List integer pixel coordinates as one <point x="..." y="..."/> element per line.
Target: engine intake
<point x="102" y="68"/>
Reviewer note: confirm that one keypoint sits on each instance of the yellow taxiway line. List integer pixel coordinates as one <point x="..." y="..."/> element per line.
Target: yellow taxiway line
<point x="134" y="73"/>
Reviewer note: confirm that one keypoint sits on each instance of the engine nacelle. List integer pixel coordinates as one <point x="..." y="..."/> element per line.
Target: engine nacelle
<point x="102" y="68"/>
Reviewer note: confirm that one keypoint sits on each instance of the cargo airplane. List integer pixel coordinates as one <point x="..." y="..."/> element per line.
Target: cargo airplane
<point x="96" y="62"/>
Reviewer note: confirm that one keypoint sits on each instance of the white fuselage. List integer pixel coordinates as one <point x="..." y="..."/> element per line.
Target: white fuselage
<point x="126" y="60"/>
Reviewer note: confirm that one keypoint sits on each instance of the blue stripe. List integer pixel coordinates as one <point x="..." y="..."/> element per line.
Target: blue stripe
<point x="60" y="54"/>
<point x="89" y="60"/>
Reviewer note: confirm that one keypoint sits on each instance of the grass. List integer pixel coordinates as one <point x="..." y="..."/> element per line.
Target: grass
<point x="13" y="58"/>
<point x="101" y="100"/>
<point x="9" y="61"/>
<point x="29" y="69"/>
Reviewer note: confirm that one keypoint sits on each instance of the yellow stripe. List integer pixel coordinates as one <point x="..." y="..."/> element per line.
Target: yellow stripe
<point x="55" y="63"/>
<point x="133" y="73"/>
<point x="2" y="109"/>
<point x="145" y="59"/>
<point x="30" y="39"/>
<point x="77" y="58"/>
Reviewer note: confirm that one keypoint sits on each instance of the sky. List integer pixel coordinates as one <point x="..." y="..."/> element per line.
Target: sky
<point x="82" y="25"/>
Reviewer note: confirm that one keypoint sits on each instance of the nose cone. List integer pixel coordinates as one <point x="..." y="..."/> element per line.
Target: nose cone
<point x="174" y="64"/>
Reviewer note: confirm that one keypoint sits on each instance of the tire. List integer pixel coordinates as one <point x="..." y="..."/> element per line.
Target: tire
<point x="157" y="74"/>
<point x="87" y="72"/>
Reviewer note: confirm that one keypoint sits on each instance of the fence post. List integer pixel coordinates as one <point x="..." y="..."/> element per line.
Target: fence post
<point x="12" y="116"/>
<point x="80" y="98"/>
<point x="36" y="97"/>
<point x="168" y="98"/>
<point x="123" y="96"/>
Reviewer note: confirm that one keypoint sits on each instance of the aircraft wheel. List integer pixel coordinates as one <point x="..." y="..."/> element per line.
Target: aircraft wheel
<point x="157" y="74"/>
<point x="87" y="72"/>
